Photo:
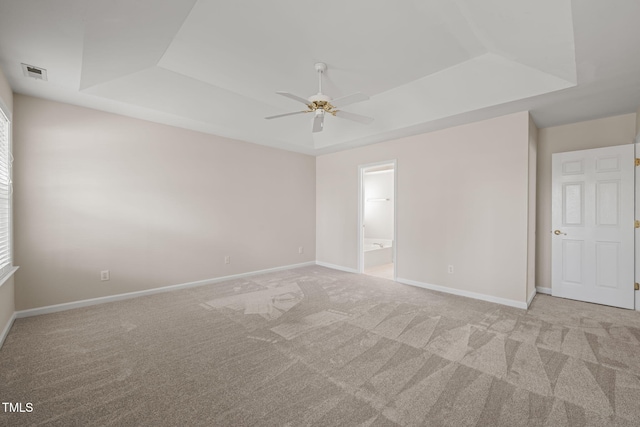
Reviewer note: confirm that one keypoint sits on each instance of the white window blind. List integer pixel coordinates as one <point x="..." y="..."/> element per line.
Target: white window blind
<point x="5" y="195"/>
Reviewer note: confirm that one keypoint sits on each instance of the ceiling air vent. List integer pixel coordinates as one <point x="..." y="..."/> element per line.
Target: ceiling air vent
<point x="35" y="72"/>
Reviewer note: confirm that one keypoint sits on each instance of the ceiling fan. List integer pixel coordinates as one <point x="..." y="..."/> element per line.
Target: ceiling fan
<point x="321" y="104"/>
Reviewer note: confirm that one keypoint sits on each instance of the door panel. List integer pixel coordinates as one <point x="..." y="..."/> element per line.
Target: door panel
<point x="607" y="203"/>
<point x="572" y="260"/>
<point x="607" y="259"/>
<point x="593" y="225"/>
<point x="573" y="204"/>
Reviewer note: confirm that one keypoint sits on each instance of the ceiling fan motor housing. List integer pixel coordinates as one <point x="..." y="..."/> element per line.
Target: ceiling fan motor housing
<point x="319" y="97"/>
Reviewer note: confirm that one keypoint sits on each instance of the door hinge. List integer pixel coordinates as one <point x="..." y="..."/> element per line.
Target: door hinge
<point x="637" y="162"/>
<point x="636" y="287"/>
<point x="637" y="224"/>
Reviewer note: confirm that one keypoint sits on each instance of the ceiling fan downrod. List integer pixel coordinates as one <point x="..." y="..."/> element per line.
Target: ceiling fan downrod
<point x="321" y="67"/>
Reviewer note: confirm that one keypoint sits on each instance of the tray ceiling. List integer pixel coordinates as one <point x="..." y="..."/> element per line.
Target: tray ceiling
<point x="214" y="66"/>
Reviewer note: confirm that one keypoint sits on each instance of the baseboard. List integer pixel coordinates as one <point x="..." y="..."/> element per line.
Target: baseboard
<point x="7" y="328"/>
<point x="541" y="290"/>
<point x="530" y="299"/>
<point x="119" y="297"/>
<point x="474" y="295"/>
<point x="336" y="267"/>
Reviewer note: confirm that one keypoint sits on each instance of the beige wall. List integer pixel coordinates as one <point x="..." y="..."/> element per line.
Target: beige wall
<point x="7" y="306"/>
<point x="156" y="205"/>
<point x="462" y="200"/>
<point x="606" y="132"/>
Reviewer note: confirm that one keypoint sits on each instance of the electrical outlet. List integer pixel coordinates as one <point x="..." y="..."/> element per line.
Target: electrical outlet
<point x="227" y="259"/>
<point x="301" y="250"/>
<point x="104" y="275"/>
<point x="450" y="269"/>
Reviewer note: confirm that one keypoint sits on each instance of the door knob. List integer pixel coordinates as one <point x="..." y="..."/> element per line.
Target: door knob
<point x="558" y="232"/>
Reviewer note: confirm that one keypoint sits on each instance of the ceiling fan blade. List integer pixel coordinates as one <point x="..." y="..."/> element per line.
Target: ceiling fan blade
<point x="294" y="97"/>
<point x="349" y="99"/>
<point x="285" y="115"/>
<point x="318" y="123"/>
<point x="355" y="117"/>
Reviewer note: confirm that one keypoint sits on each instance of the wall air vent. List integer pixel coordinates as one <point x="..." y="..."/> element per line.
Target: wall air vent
<point x="35" y="72"/>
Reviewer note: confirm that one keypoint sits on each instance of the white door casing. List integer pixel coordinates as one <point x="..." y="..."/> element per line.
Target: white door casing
<point x="593" y="225"/>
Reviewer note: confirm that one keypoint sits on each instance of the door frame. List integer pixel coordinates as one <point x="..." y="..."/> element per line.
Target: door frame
<point x="361" y="171"/>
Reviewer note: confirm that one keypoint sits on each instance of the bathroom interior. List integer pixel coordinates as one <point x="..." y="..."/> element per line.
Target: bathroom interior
<point x="378" y="221"/>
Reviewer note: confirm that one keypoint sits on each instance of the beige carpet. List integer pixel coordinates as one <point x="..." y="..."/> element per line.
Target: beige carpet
<point x="314" y="346"/>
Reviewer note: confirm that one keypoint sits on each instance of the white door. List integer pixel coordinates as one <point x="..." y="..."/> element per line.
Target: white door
<point x="593" y="225"/>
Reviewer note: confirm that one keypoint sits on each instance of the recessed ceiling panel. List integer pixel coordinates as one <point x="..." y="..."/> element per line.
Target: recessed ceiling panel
<point x="602" y="49"/>
<point x="255" y="47"/>
<point x="122" y="37"/>
<point x="538" y="34"/>
<point x="182" y="96"/>
<point x="482" y="82"/>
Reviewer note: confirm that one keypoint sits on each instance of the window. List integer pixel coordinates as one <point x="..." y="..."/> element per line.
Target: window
<point x="5" y="196"/>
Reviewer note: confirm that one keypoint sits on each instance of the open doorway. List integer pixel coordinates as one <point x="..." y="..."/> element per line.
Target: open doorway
<point x="377" y="220"/>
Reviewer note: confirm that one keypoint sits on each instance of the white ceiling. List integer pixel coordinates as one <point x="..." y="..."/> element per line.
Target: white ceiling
<point x="214" y="66"/>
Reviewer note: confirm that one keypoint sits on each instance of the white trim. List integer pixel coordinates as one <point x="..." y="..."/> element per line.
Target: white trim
<point x="5" y="109"/>
<point x="337" y="267"/>
<point x="541" y="290"/>
<point x="7" y="275"/>
<point x="101" y="300"/>
<point x="530" y="299"/>
<point x="395" y="219"/>
<point x="360" y="268"/>
<point x="7" y="261"/>
<point x="7" y="328"/>
<point x="474" y="295"/>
